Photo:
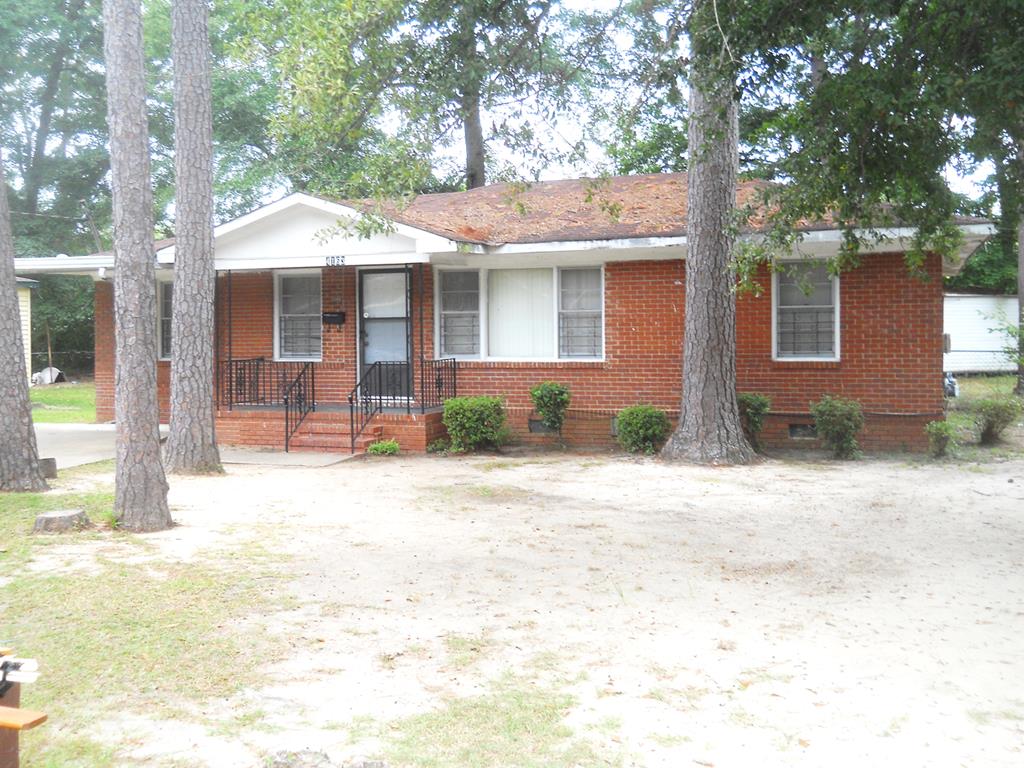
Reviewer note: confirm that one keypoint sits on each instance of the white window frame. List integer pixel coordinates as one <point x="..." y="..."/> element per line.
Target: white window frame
<point x="835" y="357"/>
<point x="160" y="283"/>
<point x="278" y="274"/>
<point x="559" y="310"/>
<point x="484" y="355"/>
<point x="480" y="320"/>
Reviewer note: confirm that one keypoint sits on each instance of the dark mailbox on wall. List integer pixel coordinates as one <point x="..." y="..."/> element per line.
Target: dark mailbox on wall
<point x="333" y="318"/>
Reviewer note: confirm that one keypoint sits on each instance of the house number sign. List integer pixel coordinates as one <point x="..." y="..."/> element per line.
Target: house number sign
<point x="335" y="261"/>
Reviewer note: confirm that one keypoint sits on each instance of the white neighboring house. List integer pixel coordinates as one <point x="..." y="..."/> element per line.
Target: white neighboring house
<point x="968" y="321"/>
<point x="25" y="288"/>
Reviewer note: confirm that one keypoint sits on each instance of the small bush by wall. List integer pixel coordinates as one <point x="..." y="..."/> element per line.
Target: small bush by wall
<point x="941" y="438"/>
<point x="551" y="401"/>
<point x="475" y="422"/>
<point x="837" y="422"/>
<point x="383" y="448"/>
<point x="753" y="408"/>
<point x="994" y="415"/>
<point x="642" y="428"/>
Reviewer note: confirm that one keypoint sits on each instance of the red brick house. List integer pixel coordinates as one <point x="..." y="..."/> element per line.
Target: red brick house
<point x="323" y="334"/>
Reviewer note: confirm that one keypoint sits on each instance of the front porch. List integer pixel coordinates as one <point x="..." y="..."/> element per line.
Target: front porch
<point x="350" y="344"/>
<point x="275" y="403"/>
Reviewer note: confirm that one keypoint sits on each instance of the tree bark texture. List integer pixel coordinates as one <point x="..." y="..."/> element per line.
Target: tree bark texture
<point x="472" y="126"/>
<point x="192" y="443"/>
<point x="473" y="131"/>
<point x="709" y="429"/>
<point x="140" y="498"/>
<point x="19" y="458"/>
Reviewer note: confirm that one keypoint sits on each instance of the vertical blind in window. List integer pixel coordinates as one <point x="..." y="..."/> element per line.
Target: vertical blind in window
<point x="579" y="313"/>
<point x="520" y="317"/>
<point x="806" y="313"/>
<point x="165" y="299"/>
<point x="299" y="322"/>
<point x="460" y="313"/>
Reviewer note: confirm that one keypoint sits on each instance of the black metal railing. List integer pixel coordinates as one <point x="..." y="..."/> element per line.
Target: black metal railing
<point x="380" y="385"/>
<point x="438" y="382"/>
<point x="299" y="401"/>
<point x="388" y="384"/>
<point x="255" y="381"/>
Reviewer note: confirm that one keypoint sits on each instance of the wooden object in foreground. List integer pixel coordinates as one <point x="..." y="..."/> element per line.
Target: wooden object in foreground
<point x="14" y="720"/>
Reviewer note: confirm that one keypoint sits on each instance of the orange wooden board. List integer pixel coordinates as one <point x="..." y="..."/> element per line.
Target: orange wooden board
<point x="20" y="719"/>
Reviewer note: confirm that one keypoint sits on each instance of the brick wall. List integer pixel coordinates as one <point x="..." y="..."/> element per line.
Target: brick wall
<point x="891" y="349"/>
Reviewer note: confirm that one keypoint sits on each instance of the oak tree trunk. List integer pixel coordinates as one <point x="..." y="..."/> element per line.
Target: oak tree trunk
<point x="140" y="498"/>
<point x="709" y="430"/>
<point x="19" y="459"/>
<point x="192" y="443"/>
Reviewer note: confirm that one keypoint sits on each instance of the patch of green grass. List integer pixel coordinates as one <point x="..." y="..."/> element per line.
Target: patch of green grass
<point x="516" y="725"/>
<point x="497" y="492"/>
<point x="18" y="512"/>
<point x="64" y="403"/>
<point x="669" y="739"/>
<point x="117" y="636"/>
<point x="976" y="387"/>
<point x="67" y="752"/>
<point x="464" y="651"/>
<point x="129" y="638"/>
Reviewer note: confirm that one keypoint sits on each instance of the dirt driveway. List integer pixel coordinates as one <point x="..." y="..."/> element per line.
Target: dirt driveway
<point x="577" y="610"/>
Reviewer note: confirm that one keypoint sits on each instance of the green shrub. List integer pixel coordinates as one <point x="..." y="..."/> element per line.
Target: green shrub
<point x="837" y="422"/>
<point x="942" y="437"/>
<point x="642" y="428"/>
<point x="383" y="448"/>
<point x="475" y="422"/>
<point x="551" y="400"/>
<point x="994" y="415"/>
<point x="440" y="445"/>
<point x="753" y="409"/>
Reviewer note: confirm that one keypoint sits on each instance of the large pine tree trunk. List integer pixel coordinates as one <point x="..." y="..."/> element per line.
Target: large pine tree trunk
<point x="709" y="430"/>
<point x="192" y="443"/>
<point x="469" y="98"/>
<point x="19" y="460"/>
<point x="140" y="500"/>
<point x="473" y="133"/>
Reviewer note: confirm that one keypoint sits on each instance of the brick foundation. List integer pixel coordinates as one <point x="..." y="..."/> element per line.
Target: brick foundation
<point x="891" y="347"/>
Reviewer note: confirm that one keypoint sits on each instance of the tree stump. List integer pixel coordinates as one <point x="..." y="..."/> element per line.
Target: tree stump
<point x="61" y="520"/>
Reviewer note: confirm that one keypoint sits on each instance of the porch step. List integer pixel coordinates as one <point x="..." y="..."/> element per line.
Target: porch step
<point x="334" y="440"/>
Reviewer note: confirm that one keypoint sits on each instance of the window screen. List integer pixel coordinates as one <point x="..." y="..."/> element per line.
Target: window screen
<point x="299" y="322"/>
<point x="579" y="313"/>
<point x="805" y="307"/>
<point x="165" y="299"/>
<point x="460" y="313"/>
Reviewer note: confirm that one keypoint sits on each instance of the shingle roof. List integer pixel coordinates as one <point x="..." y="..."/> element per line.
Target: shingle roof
<point x="652" y="205"/>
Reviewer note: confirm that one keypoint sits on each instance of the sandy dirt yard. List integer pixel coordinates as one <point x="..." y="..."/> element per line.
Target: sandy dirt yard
<point x="570" y="610"/>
